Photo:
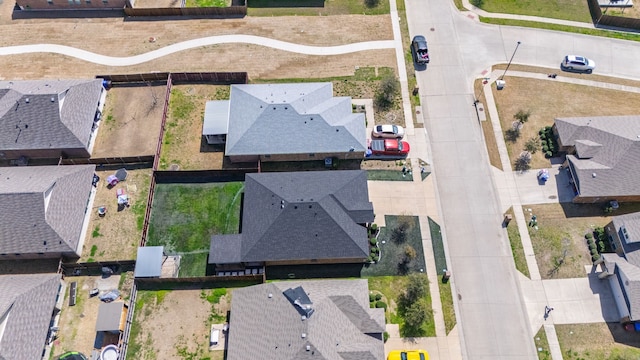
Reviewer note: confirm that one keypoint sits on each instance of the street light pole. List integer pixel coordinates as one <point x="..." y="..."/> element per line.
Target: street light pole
<point x="510" y="60"/>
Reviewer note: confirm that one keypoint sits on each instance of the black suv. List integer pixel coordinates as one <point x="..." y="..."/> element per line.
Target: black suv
<point x="419" y="50"/>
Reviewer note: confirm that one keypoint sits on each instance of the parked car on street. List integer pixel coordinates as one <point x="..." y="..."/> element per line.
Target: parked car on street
<point x="388" y="131"/>
<point x="419" y="50"/>
<point x="578" y="63"/>
<point x="408" y="355"/>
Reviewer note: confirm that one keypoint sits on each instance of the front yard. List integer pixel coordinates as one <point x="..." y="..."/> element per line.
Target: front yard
<point x="184" y="216"/>
<point x="600" y="341"/>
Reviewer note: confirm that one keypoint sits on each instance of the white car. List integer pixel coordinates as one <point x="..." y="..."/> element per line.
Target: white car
<point x="578" y="63"/>
<point x="388" y="131"/>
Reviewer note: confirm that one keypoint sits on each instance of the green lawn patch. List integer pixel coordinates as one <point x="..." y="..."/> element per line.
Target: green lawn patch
<point x="542" y="345"/>
<point x="565" y="28"/>
<point x="316" y="7"/>
<point x="184" y="216"/>
<point x="516" y="245"/>
<point x="396" y="239"/>
<point x="206" y="3"/>
<point x="574" y="10"/>
<point x="391" y="287"/>
<point x="389" y="175"/>
<point x="446" y="297"/>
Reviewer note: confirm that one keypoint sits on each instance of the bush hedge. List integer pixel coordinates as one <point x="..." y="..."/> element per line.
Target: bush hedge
<point x="381" y="305"/>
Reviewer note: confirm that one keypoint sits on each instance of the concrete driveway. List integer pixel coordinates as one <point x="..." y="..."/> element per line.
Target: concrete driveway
<point x="532" y="191"/>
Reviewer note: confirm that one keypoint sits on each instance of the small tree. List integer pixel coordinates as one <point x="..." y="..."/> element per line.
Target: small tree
<point x="523" y="162"/>
<point x="414" y="316"/>
<point x="522" y="116"/>
<point x="415" y="290"/>
<point x="387" y="92"/>
<point x="532" y="145"/>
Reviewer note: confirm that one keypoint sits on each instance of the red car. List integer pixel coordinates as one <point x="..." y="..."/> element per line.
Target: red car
<point x="392" y="147"/>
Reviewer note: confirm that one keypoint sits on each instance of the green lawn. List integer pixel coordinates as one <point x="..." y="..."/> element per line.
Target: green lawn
<point x="390" y="287"/>
<point x="207" y="3"/>
<point x="574" y="10"/>
<point x="446" y="297"/>
<point x="516" y="245"/>
<point x="542" y="345"/>
<point x="315" y="7"/>
<point x="184" y="216"/>
<point x="565" y="28"/>
<point x="389" y="175"/>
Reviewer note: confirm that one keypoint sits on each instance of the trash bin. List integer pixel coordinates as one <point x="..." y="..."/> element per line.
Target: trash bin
<point x="500" y="84"/>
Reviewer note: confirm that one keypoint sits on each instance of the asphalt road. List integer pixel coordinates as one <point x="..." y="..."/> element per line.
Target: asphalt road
<point x="491" y="312"/>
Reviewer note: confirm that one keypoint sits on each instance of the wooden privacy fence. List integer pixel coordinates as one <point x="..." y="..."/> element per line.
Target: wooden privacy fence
<point x="618" y="22"/>
<point x="110" y="160"/>
<point x="186" y="12"/>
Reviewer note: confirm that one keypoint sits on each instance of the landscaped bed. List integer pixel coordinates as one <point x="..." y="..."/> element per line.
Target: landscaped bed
<point x="184" y="216"/>
<point x="446" y="297"/>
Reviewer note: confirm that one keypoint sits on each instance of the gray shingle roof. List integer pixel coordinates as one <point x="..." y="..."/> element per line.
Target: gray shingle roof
<point x="43" y="208"/>
<point x="607" y="162"/>
<point x="26" y="304"/>
<point x="263" y="327"/>
<point x="292" y="119"/>
<point x="47" y="114"/>
<point x="300" y="216"/>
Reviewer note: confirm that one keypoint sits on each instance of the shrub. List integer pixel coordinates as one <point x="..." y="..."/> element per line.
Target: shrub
<point x="545" y="148"/>
<point x="378" y="297"/>
<point x="387" y="92"/>
<point x="532" y="145"/>
<point x="548" y="154"/>
<point x="372" y="297"/>
<point x="592" y="246"/>
<point x="385" y="336"/>
<point x="370" y="258"/>
<point x="588" y="236"/>
<point x="541" y="132"/>
<point x="476" y="3"/>
<point x="595" y="257"/>
<point x="594" y="251"/>
<point x="590" y="242"/>
<point x="375" y="250"/>
<point x="601" y="246"/>
<point x="522" y="116"/>
<point x="371" y="3"/>
<point x="375" y="257"/>
<point x="381" y="305"/>
<point x="373" y="241"/>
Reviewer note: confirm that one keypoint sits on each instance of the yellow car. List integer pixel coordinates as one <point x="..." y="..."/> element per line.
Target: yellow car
<point x="408" y="355"/>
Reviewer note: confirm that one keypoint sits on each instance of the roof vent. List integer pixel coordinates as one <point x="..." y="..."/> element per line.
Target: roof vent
<point x="308" y="347"/>
<point x="53" y="99"/>
<point x="304" y="317"/>
<point x="270" y="295"/>
<point x="304" y="335"/>
<point x="26" y="100"/>
<point x="281" y="206"/>
<point x="593" y="175"/>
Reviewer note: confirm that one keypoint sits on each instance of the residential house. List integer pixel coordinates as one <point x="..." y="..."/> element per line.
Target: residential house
<point x="320" y="319"/>
<point x="603" y="156"/>
<point x="622" y="269"/>
<point x="29" y="305"/>
<point x="44" y="210"/>
<point x="49" y="118"/>
<point x="289" y="218"/>
<point x="288" y="122"/>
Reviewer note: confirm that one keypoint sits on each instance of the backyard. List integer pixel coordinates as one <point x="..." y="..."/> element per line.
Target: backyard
<point x="574" y="10"/>
<point x="548" y="102"/>
<point x="316" y="7"/>
<point x="175" y="324"/>
<point x="77" y="323"/>
<point x="184" y="216"/>
<point x="116" y="235"/>
<point x="183" y="146"/>
<point x="130" y="123"/>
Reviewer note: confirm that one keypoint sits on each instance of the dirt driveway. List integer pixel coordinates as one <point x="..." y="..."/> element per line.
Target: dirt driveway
<point x="130" y="123"/>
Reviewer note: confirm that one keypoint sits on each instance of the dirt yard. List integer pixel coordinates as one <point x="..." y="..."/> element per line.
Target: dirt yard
<point x="115" y="37"/>
<point x="116" y="235"/>
<point x="183" y="146"/>
<point x="189" y="313"/>
<point x="78" y="323"/>
<point x="130" y="123"/>
<point x="597" y="341"/>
